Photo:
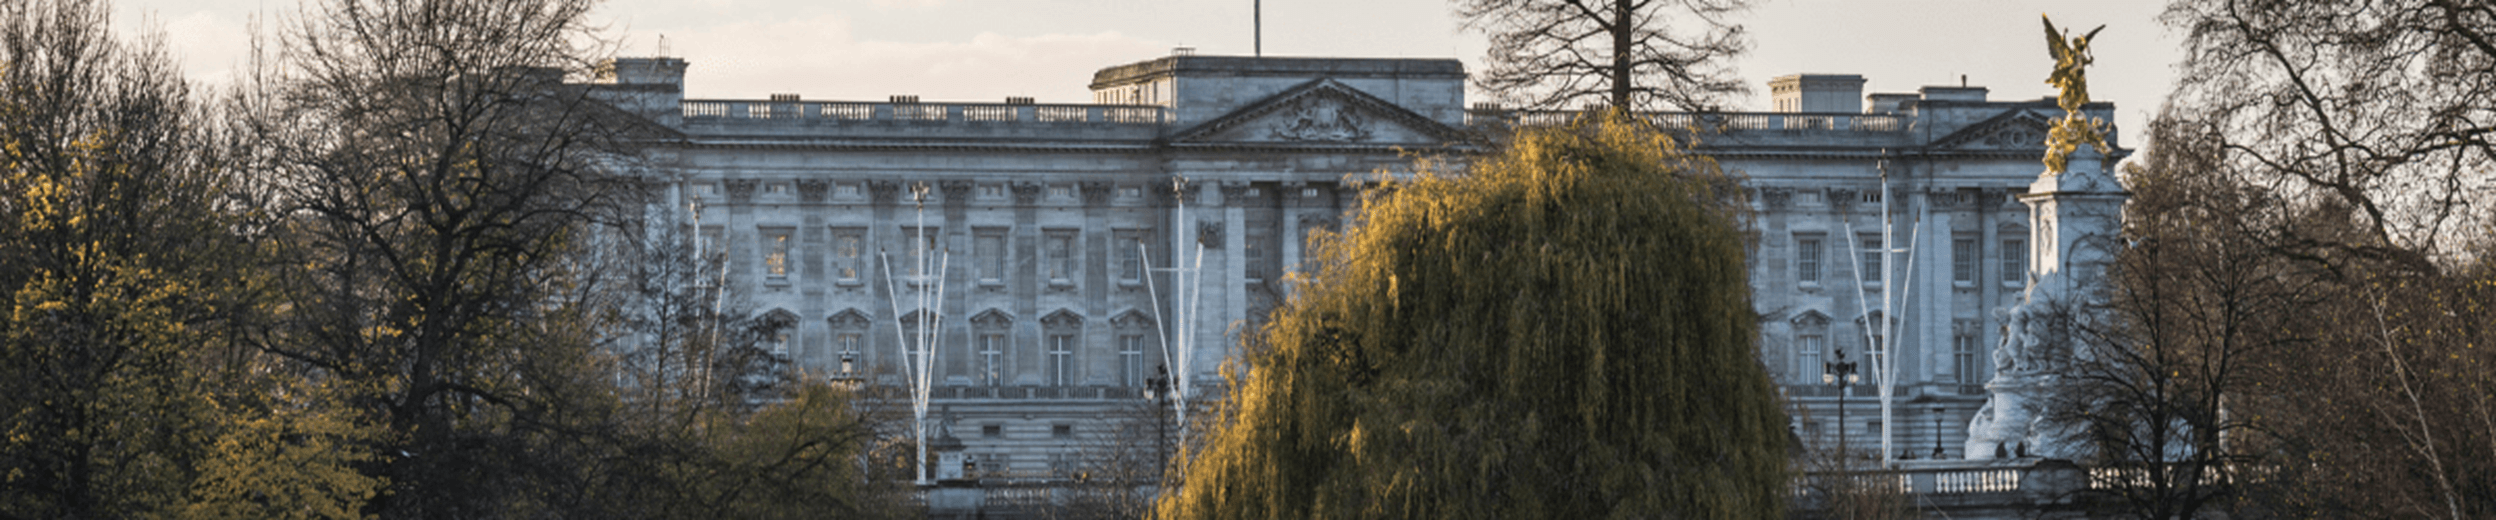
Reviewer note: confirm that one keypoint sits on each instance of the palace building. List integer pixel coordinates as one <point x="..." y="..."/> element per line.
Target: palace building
<point x="1059" y="223"/>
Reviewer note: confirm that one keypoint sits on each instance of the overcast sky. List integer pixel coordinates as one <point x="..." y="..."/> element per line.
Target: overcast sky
<point x="986" y="50"/>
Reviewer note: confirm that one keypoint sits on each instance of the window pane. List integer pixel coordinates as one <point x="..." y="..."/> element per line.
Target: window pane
<point x="2014" y="261"/>
<point x="1254" y="252"/>
<point x="1963" y="260"/>
<point x="1061" y="362"/>
<point x="992" y="358"/>
<point x="991" y="250"/>
<point x="776" y="260"/>
<point x="1963" y="350"/>
<point x="1131" y="360"/>
<point x="845" y="249"/>
<point x="1132" y="252"/>
<point x="1807" y="260"/>
<point x="1061" y="258"/>
<point x="1871" y="244"/>
<point x="1807" y="353"/>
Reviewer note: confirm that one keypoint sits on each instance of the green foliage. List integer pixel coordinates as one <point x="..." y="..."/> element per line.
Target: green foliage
<point x="793" y="459"/>
<point x="1562" y="331"/>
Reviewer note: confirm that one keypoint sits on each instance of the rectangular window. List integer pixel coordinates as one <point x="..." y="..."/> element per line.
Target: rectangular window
<point x="1130" y="253"/>
<point x="1061" y="257"/>
<point x="992" y="358"/>
<point x="1255" y="251"/>
<point x="1061" y="360"/>
<point x="923" y="246"/>
<point x="845" y="189"/>
<point x="848" y="251"/>
<point x="1131" y="360"/>
<point x="1807" y="260"/>
<point x="1871" y="244"/>
<point x="990" y="248"/>
<point x="1963" y="260"/>
<point x="1807" y="351"/>
<point x="780" y="344"/>
<point x="1963" y="355"/>
<point x="2014" y="261"/>
<point x="776" y="254"/>
<point x="1872" y="196"/>
<point x="847" y="343"/>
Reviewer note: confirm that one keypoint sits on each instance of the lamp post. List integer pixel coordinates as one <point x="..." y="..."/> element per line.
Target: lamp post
<point x="1159" y="384"/>
<point x="1840" y="373"/>
<point x="1937" y="411"/>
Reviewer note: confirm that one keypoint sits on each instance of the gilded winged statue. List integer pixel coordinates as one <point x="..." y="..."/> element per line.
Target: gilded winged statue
<point x="2071" y="75"/>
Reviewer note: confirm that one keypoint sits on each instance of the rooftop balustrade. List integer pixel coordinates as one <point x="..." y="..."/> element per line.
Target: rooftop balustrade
<point x="1711" y="121"/>
<point x="709" y="110"/>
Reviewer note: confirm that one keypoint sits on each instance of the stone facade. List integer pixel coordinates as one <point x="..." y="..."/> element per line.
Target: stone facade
<point x="1050" y="318"/>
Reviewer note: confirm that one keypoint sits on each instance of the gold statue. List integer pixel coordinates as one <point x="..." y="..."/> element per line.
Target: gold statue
<point x="2071" y="61"/>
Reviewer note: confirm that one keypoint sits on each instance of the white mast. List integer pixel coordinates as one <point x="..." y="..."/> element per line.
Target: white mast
<point x="929" y="290"/>
<point x="1882" y="334"/>
<point x="1186" y="289"/>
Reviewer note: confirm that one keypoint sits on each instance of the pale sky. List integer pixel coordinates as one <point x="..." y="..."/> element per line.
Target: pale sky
<point x="986" y="50"/>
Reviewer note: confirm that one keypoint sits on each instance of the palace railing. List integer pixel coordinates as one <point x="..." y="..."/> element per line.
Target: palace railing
<point x="861" y="111"/>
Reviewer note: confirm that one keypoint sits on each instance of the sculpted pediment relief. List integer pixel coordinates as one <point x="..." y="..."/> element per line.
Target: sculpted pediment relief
<point x="1320" y="120"/>
<point x="2017" y="129"/>
<point x="1321" y="112"/>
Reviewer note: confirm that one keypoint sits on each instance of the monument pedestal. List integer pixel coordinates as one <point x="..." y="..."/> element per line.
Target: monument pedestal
<point x="2075" y="226"/>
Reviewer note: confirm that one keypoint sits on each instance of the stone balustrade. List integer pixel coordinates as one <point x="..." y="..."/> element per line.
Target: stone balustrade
<point x="2013" y="488"/>
<point x="1714" y="121"/>
<point x="709" y="110"/>
<point x="943" y="391"/>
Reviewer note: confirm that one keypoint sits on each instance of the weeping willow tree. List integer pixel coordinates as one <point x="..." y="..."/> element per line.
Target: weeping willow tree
<point x="1562" y="331"/>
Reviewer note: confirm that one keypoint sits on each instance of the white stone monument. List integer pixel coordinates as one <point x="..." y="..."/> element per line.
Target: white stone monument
<point x="2076" y="216"/>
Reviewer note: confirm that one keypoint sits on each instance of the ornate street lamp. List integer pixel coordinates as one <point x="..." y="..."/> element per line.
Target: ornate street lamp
<point x="1159" y="384"/>
<point x="1840" y="373"/>
<point x="1937" y="411"/>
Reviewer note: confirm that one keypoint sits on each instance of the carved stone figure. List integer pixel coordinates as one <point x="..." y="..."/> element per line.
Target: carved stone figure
<point x="1311" y="120"/>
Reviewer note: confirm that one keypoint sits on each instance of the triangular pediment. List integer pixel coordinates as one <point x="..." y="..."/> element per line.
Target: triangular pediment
<point x="2014" y="129"/>
<point x="1321" y="112"/>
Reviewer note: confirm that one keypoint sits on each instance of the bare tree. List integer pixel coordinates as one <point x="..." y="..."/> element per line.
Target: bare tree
<point x="2167" y="371"/>
<point x="2375" y="122"/>
<point x="2388" y="107"/>
<point x="1635" y="54"/>
<point x="437" y="183"/>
